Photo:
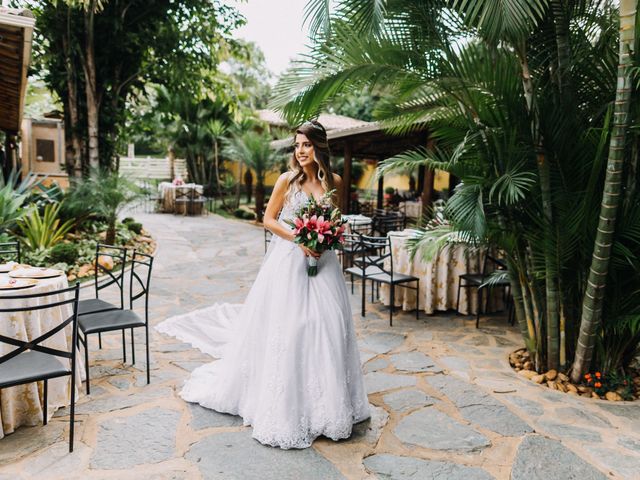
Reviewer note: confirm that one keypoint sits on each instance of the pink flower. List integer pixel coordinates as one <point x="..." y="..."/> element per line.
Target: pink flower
<point x="299" y="223"/>
<point x="320" y="237"/>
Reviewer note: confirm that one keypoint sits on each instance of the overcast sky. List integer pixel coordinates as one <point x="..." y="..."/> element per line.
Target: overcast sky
<point x="276" y="26"/>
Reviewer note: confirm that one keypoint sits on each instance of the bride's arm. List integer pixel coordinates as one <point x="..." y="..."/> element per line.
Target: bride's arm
<point x="274" y="206"/>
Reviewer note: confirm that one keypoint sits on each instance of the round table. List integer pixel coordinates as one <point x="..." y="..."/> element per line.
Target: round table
<point x="439" y="277"/>
<point x="22" y="404"/>
<point x="167" y="191"/>
<point x="358" y="223"/>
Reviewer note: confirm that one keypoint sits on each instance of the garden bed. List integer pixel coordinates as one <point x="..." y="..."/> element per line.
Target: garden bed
<point x="75" y="254"/>
<point x="596" y="385"/>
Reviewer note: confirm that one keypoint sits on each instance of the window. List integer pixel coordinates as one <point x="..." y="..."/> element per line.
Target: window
<point x="45" y="150"/>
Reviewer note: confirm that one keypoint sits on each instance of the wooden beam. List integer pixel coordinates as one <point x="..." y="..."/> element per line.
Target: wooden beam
<point x="380" y="199"/>
<point x="346" y="179"/>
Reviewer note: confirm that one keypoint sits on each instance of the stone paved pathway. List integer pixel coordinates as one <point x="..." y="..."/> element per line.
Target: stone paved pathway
<point x="446" y="405"/>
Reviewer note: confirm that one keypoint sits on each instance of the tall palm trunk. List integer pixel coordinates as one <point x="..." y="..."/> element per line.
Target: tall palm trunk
<point x="93" y="100"/>
<point x="73" y="155"/>
<point x="552" y="317"/>
<point x="597" y="280"/>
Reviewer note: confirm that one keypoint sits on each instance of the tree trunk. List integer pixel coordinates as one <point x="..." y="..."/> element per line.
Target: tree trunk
<point x="93" y="102"/>
<point x="73" y="147"/>
<point x="259" y="200"/>
<point x="239" y="185"/>
<point x="597" y="279"/>
<point x="110" y="237"/>
<point x="248" y="183"/>
<point x="552" y="307"/>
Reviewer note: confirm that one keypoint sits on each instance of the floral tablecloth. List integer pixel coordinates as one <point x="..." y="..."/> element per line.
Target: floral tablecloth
<point x="22" y="404"/>
<point x="438" y="277"/>
<point x="167" y="191"/>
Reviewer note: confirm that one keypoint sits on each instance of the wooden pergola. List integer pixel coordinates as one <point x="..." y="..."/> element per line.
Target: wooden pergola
<point x="371" y="142"/>
<point x="16" y="33"/>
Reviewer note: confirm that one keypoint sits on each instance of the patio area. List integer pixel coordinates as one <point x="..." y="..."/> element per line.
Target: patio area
<point x="446" y="403"/>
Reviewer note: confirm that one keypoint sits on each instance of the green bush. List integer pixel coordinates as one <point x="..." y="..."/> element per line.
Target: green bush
<point x="239" y="213"/>
<point x="128" y="220"/>
<point x="64" y="253"/>
<point x="249" y="215"/>
<point x="135" y="227"/>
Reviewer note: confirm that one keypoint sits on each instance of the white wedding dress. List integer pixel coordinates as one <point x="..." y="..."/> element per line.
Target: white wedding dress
<point x="289" y="364"/>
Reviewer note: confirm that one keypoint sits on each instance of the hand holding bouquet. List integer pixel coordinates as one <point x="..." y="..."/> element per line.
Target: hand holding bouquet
<point x="318" y="226"/>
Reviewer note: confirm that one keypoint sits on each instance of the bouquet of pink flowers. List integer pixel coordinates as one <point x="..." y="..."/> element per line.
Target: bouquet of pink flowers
<point x="178" y="181"/>
<point x="319" y="227"/>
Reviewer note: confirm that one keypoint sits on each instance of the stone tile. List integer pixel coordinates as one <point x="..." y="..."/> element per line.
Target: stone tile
<point x="375" y="365"/>
<point x="568" y="431"/>
<point x="147" y="437"/>
<point x="414" y="362"/>
<point x="530" y="407"/>
<point x="111" y="403"/>
<point x="392" y="467"/>
<point x="366" y="356"/>
<point x="236" y="456"/>
<point x="455" y="363"/>
<point x="540" y="458"/>
<point x="206" y="418"/>
<point x="629" y="412"/>
<point x="406" y="400"/>
<point x="172" y="347"/>
<point x="630" y="443"/>
<point x="121" y="383"/>
<point x="430" y="428"/>
<point x="381" y="342"/>
<point x="26" y="440"/>
<point x="380" y="381"/>
<point x="57" y="461"/>
<point x="156" y="378"/>
<point x="625" y="465"/>
<point x="480" y="408"/>
<point x="370" y="430"/>
<point x="189" y="366"/>
<point x="582" y="418"/>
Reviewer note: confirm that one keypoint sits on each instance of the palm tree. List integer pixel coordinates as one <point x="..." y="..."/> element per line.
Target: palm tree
<point x="108" y="193"/>
<point x="592" y="303"/>
<point x="254" y="151"/>
<point x="518" y="96"/>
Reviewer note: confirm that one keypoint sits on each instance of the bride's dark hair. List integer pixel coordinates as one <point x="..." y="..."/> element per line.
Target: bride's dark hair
<point x="317" y="135"/>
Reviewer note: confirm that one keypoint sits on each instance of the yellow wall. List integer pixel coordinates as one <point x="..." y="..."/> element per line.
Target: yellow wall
<point x="367" y="181"/>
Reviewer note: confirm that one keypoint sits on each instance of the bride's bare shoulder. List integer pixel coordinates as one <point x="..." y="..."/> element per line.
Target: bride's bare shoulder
<point x="337" y="180"/>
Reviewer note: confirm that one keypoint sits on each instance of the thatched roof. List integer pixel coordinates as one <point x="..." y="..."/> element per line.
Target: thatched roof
<point x="16" y="32"/>
<point x="328" y="120"/>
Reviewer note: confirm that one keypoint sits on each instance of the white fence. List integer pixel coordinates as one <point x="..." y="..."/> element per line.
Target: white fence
<point x="147" y="168"/>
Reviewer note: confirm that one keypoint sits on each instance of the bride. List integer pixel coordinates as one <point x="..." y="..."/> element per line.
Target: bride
<point x="289" y="364"/>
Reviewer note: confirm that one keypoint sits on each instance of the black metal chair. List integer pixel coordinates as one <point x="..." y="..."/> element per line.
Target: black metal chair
<point x="113" y="320"/>
<point x="182" y="200"/>
<point x="479" y="281"/>
<point x="386" y="222"/>
<point x="197" y="203"/>
<point x="10" y="251"/>
<point x="377" y="255"/>
<point x="33" y="362"/>
<point x="95" y="305"/>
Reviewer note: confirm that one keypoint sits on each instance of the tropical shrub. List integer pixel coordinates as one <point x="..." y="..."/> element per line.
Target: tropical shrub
<point x="534" y="111"/>
<point x="42" y="231"/>
<point x="135" y="227"/>
<point x="64" y="253"/>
